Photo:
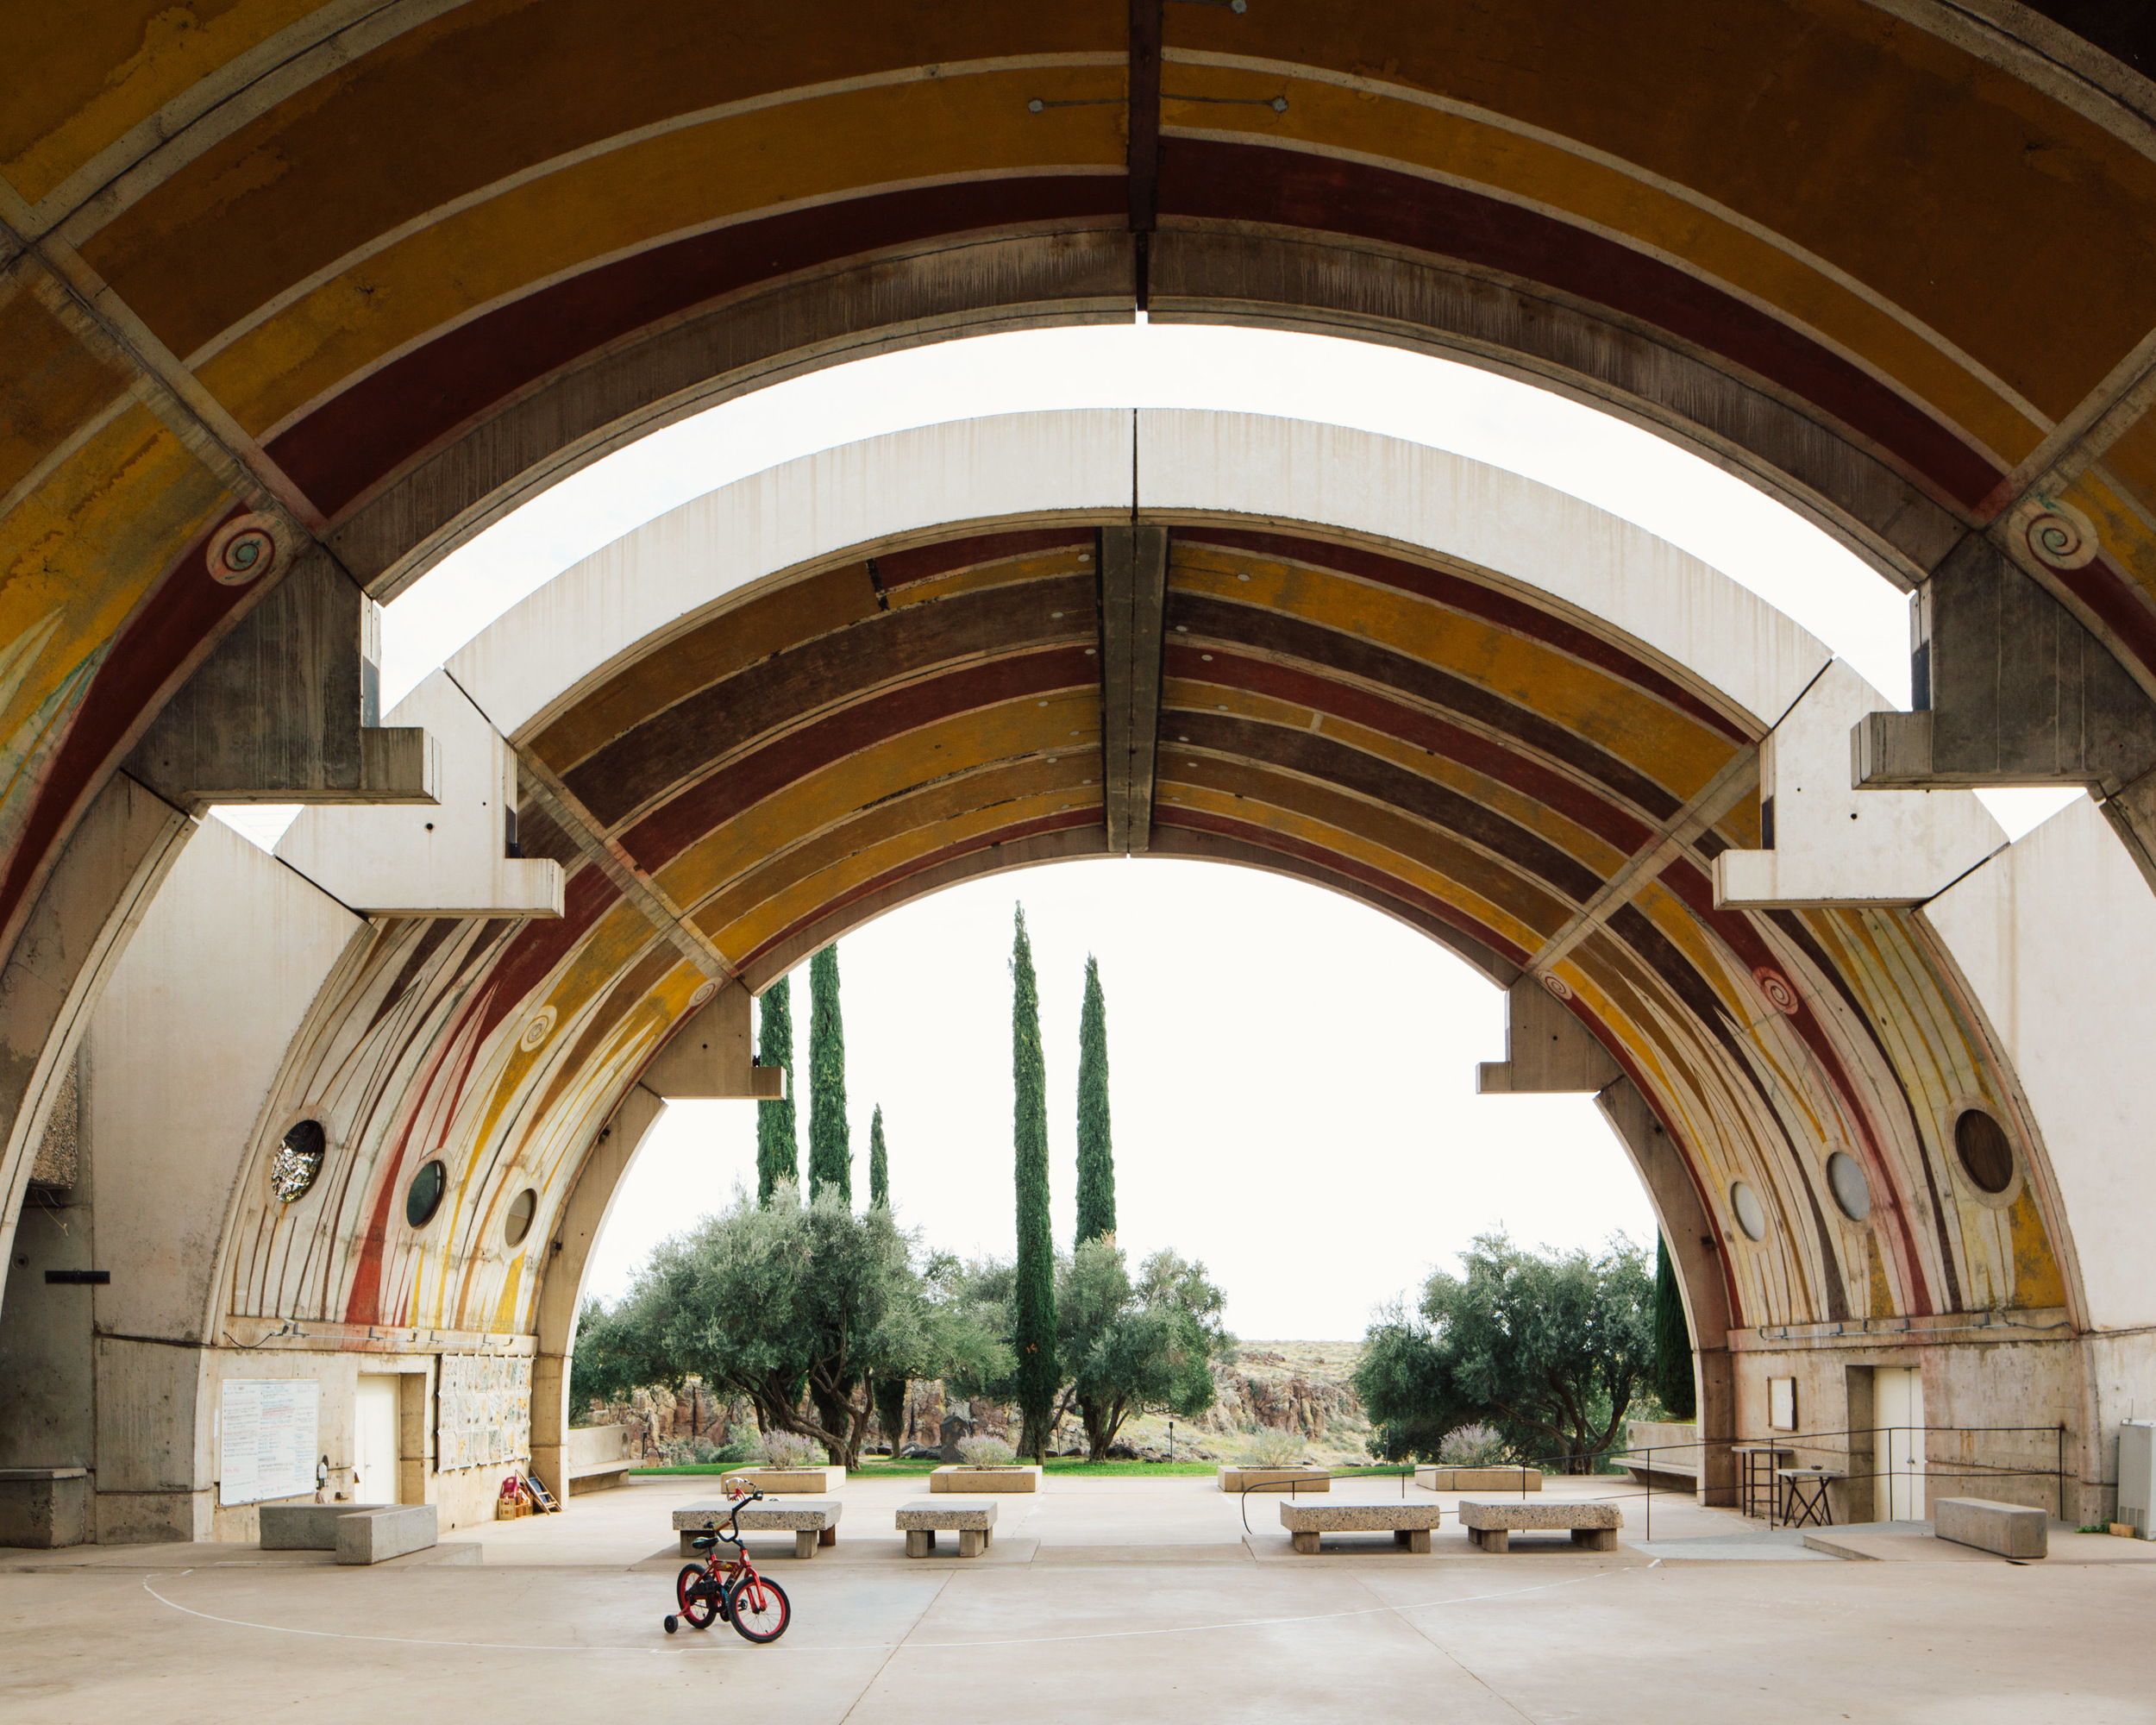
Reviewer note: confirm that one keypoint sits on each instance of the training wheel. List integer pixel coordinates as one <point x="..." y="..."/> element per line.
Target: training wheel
<point x="672" y="1623"/>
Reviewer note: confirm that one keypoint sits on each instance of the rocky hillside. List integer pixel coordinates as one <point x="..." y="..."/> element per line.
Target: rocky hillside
<point x="1283" y="1386"/>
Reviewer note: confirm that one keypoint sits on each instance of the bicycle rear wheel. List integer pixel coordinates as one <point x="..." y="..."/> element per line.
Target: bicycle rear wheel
<point x="697" y="1591"/>
<point x="759" y="1608"/>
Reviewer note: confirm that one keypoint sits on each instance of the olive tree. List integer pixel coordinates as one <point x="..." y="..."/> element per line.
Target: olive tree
<point x="800" y="1307"/>
<point x="1550" y="1349"/>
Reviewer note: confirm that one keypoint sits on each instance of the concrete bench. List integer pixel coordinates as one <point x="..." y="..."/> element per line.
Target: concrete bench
<point x="2012" y="1530"/>
<point x="813" y="1521"/>
<point x="357" y="1533"/>
<point x="1491" y="1525"/>
<point x="396" y="1530"/>
<point x="923" y="1518"/>
<point x="1410" y="1524"/>
<point x="1438" y="1477"/>
<point x="305" y="1527"/>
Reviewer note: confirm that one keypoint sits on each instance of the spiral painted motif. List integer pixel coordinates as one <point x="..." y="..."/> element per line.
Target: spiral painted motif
<point x="1776" y="987"/>
<point x="2057" y="534"/>
<point x="1558" y="987"/>
<point x="704" y="993"/>
<point x="540" y="1028"/>
<point x="244" y="549"/>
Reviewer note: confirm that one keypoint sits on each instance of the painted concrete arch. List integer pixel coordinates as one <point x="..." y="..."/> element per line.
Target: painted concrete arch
<point x="1442" y="689"/>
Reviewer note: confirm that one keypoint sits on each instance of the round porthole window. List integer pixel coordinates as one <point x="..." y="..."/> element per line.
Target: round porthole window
<point x="1853" y="1192"/>
<point x="522" y="1208"/>
<point x="1986" y="1156"/>
<point x="298" y="1159"/>
<point x="1750" y="1216"/>
<point x="423" y="1197"/>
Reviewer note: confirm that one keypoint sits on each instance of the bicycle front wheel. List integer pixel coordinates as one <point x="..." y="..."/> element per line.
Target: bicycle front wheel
<point x="697" y="1593"/>
<point x="758" y="1607"/>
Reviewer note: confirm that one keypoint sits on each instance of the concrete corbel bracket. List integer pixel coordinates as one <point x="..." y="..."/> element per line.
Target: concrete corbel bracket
<point x="450" y="860"/>
<point x="709" y="1057"/>
<point x="2009" y="689"/>
<point x="1549" y="1053"/>
<point x="1829" y="842"/>
<point x="282" y="709"/>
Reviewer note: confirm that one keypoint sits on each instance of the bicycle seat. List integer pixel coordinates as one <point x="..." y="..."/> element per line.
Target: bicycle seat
<point x="704" y="1542"/>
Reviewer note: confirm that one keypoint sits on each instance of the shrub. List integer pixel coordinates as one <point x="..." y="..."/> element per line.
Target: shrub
<point x="1471" y="1446"/>
<point x="1273" y="1449"/>
<point x="986" y="1451"/>
<point x="787" y="1449"/>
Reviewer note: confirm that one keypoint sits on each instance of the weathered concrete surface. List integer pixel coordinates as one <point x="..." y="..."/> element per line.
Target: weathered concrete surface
<point x="282" y="709"/>
<point x="1548" y="1051"/>
<point x="2011" y="1530"/>
<point x="375" y="1535"/>
<point x="960" y="1477"/>
<point x="2011" y="689"/>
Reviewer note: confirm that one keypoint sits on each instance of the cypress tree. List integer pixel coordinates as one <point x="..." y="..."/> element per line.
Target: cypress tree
<point x="778" y="1152"/>
<point x="879" y="1164"/>
<point x="1096" y="1150"/>
<point x="888" y="1393"/>
<point x="1673" y="1385"/>
<point x="831" y="1152"/>
<point x="1035" y="1294"/>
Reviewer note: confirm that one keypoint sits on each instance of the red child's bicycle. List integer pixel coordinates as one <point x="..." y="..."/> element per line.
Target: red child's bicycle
<point x="727" y="1585"/>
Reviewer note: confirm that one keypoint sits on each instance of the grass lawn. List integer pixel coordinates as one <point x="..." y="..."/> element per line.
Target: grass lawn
<point x="875" y="1466"/>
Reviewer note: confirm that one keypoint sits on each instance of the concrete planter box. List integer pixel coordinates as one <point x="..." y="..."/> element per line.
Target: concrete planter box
<point x="789" y="1482"/>
<point x="958" y="1477"/>
<point x="1296" y="1479"/>
<point x="1432" y="1478"/>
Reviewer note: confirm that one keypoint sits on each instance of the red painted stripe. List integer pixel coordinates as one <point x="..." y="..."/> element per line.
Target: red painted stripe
<point x="715" y="800"/>
<point x="1288" y="188"/>
<point x="359" y="437"/>
<point x="1420" y="730"/>
<point x="896" y="569"/>
<point x="157" y="648"/>
<point x="1455" y="592"/>
<point x="1264" y="837"/>
<point x="1090" y="815"/>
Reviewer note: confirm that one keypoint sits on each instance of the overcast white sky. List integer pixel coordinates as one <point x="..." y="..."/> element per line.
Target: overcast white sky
<point x="1293" y="1075"/>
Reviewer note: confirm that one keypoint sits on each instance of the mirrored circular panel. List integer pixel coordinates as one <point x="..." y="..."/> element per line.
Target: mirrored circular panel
<point x="298" y="1159"/>
<point x="1853" y="1192"/>
<point x="423" y="1197"/>
<point x="1751" y="1217"/>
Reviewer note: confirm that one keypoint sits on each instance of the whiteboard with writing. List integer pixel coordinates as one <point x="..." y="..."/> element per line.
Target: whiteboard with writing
<point x="266" y="1445"/>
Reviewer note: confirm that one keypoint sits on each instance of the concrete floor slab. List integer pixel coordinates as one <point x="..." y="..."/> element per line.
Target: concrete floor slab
<point x="1082" y="1630"/>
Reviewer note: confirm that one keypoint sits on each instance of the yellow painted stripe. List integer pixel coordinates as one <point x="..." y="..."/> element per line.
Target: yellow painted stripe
<point x="1668" y="746"/>
<point x="102" y="69"/>
<point x="803" y="900"/>
<point x="830" y="147"/>
<point x="1574" y="840"/>
<point x="1504" y="904"/>
<point x="958" y="744"/>
<point x="1531" y="170"/>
